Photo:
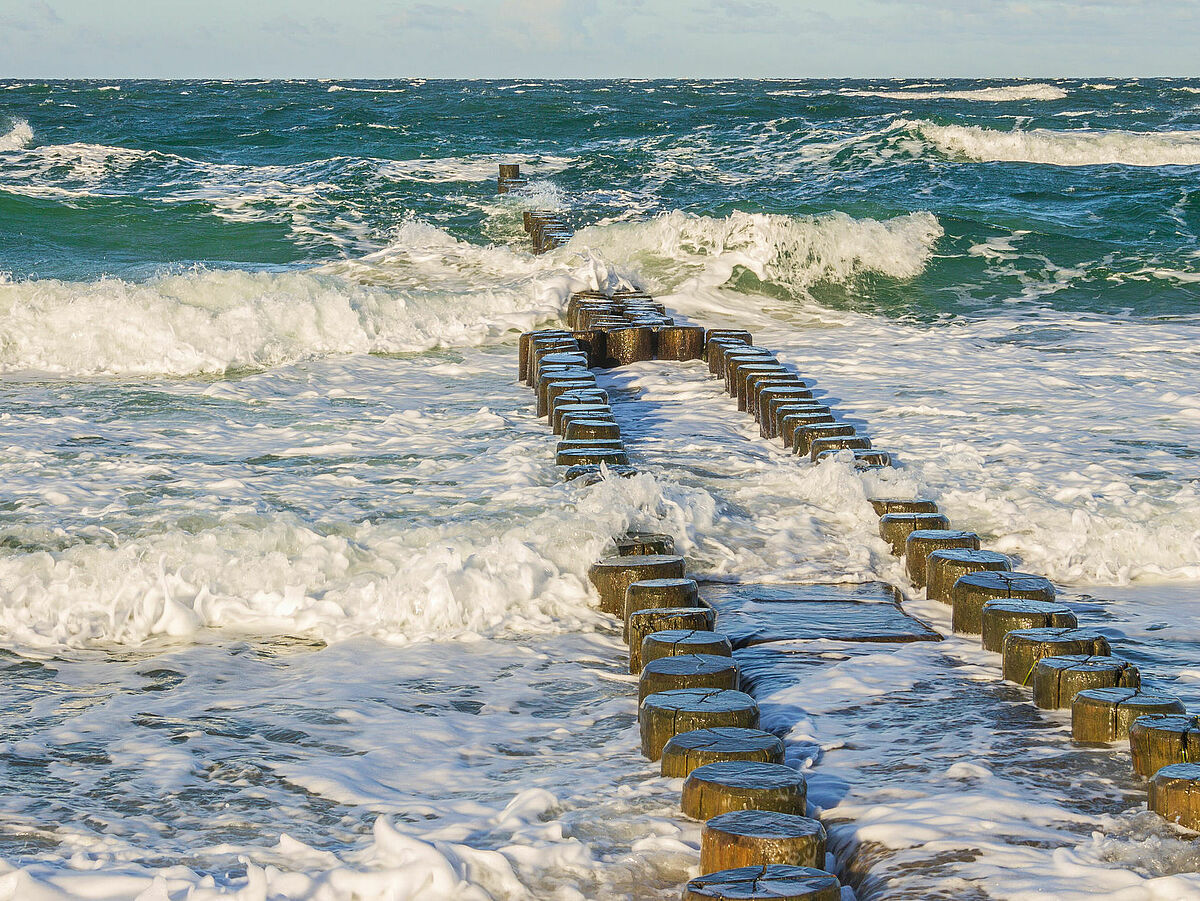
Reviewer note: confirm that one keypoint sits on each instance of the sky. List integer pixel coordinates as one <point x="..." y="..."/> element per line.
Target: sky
<point x="597" y="38"/>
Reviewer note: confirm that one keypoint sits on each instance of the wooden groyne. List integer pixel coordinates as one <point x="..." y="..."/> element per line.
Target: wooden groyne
<point x="691" y="641"/>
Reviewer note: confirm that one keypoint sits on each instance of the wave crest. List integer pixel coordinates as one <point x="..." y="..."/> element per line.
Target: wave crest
<point x="18" y="137"/>
<point x="1060" y="148"/>
<point x="794" y="252"/>
<point x="1039" y="91"/>
<point x="421" y="292"/>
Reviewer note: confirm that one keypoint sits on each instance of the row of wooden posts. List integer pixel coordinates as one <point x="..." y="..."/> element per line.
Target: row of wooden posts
<point x="757" y="841"/>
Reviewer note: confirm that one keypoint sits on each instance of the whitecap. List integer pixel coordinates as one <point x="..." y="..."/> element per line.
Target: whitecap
<point x="1003" y="93"/>
<point x="1060" y="148"/>
<point x="18" y="137"/>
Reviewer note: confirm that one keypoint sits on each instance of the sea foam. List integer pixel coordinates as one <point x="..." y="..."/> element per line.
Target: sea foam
<point x="794" y="252"/>
<point x="18" y="137"/>
<point x="1038" y="91"/>
<point x="1060" y="148"/>
<point x="425" y="290"/>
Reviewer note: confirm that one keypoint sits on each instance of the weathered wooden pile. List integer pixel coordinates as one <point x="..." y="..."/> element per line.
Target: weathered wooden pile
<point x="758" y="841"/>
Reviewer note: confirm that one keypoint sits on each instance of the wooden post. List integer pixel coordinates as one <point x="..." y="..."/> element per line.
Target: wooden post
<point x="718" y="788"/>
<point x="667" y="713"/>
<point x="998" y="618"/>
<point x="1175" y="795"/>
<point x="923" y="542"/>
<point x="944" y="568"/>
<point x="743" y="838"/>
<point x="1100" y="715"/>
<point x="648" y="594"/>
<point x="885" y="505"/>
<point x="663" y="619"/>
<point x="973" y="590"/>
<point x="679" y="641"/>
<point x="777" y="882"/>
<point x="1156" y="741"/>
<point x="613" y="575"/>
<point x="688" y="750"/>
<point x="687" y="671"/>
<point x="1023" y="648"/>
<point x="1057" y="680"/>
<point x="894" y="528"/>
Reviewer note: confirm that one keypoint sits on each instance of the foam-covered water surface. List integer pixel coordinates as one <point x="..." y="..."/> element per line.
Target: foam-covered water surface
<point x="294" y="604"/>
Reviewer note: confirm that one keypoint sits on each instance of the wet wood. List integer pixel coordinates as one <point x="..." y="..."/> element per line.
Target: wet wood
<point x="642" y="543"/>
<point x="923" y="542"/>
<point x="998" y="618"/>
<point x="688" y="750"/>
<point x="1023" y="648"/>
<point x="665" y="714"/>
<point x="592" y="430"/>
<point x="687" y="671"/>
<point x="612" y="575"/>
<point x="768" y="394"/>
<point x="804" y="435"/>
<point x="752" y="374"/>
<point x="1100" y="715"/>
<point x="630" y="345"/>
<point x="680" y="641"/>
<point x="590" y="455"/>
<point x="886" y="505"/>
<point x="944" y="568"/>
<point x="789" y="423"/>
<point x="665" y="619"/>
<point x="1157" y="740"/>
<point x="525" y="343"/>
<point x="588" y="411"/>
<point x="778" y="882"/>
<point x="680" y="342"/>
<point x="718" y="788"/>
<point x="973" y="590"/>
<point x="651" y="593"/>
<point x="750" y="356"/>
<point x="770" y="424"/>
<point x="1175" y="795"/>
<point x="820" y="447"/>
<point x="745" y="838"/>
<point x="1057" y="680"/>
<point x="895" y="528"/>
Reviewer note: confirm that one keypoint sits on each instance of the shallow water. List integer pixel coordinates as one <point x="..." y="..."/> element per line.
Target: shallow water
<point x="294" y="604"/>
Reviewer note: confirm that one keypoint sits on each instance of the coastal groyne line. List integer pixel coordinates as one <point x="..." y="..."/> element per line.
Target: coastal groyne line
<point x="757" y="840"/>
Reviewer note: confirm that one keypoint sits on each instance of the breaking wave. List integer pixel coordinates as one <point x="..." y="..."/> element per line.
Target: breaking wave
<point x="997" y="94"/>
<point x="1061" y="148"/>
<point x="18" y="137"/>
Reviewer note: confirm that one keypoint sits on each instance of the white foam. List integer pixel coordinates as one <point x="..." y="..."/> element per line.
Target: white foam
<point x="18" y="137"/>
<point x="1061" y="148"/>
<point x="794" y="252"/>
<point x="1038" y="91"/>
<point x="333" y="89"/>
<point x="425" y="290"/>
<point x="465" y="168"/>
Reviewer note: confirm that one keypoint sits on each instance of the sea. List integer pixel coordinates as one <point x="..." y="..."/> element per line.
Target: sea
<point x="294" y="602"/>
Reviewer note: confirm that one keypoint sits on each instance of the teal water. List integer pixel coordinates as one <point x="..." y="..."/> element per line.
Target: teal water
<point x="293" y="603"/>
<point x="129" y="178"/>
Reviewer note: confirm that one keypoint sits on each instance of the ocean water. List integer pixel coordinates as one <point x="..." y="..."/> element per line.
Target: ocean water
<point x="293" y="603"/>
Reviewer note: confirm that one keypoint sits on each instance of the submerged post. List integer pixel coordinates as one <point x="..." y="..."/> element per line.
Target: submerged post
<point x="510" y="178"/>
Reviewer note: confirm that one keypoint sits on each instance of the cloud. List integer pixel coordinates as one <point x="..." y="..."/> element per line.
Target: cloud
<point x="434" y="17"/>
<point x="36" y="15"/>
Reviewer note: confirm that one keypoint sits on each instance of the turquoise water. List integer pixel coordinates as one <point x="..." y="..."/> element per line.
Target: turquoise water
<point x="128" y="178"/>
<point x="293" y="603"/>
